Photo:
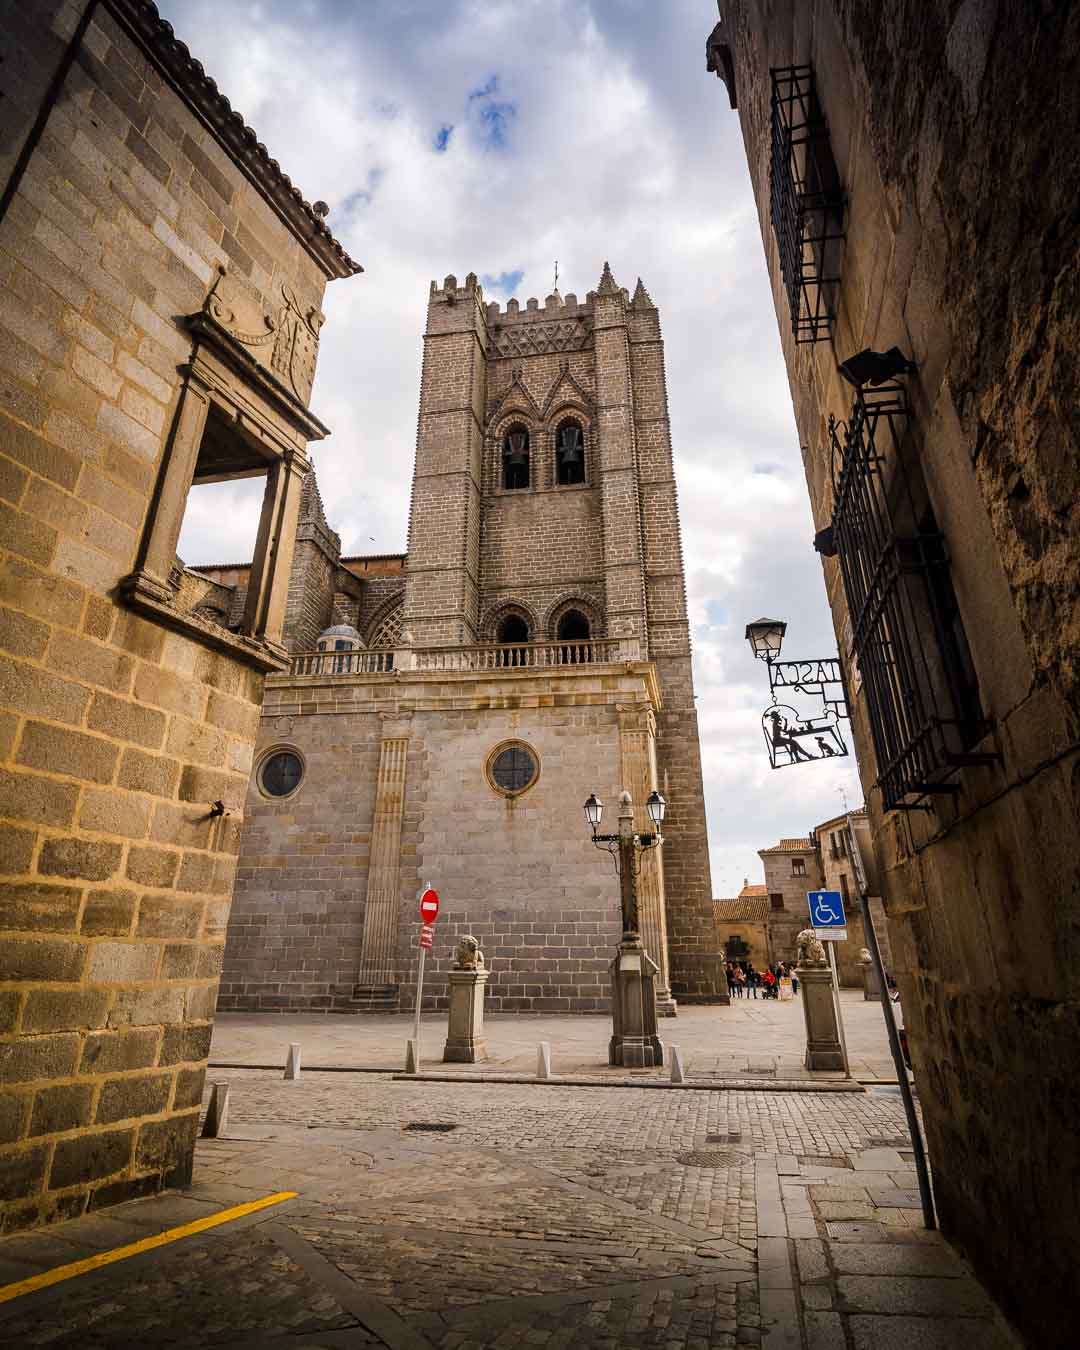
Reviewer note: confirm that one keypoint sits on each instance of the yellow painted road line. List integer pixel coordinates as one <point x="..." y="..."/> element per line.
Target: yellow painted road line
<point x="147" y="1244"/>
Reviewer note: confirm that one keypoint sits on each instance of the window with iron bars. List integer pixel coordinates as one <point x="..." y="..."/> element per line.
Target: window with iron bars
<point x="921" y="687"/>
<point x="806" y="203"/>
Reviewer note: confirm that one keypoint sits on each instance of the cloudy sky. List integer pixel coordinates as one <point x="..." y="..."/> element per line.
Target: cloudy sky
<point x="496" y="136"/>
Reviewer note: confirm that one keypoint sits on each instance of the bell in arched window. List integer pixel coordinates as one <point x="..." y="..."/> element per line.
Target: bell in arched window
<point x="571" y="454"/>
<point x="517" y="448"/>
<point x="516" y="458"/>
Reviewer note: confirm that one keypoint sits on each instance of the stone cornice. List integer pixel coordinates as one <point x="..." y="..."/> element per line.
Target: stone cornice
<point x="142" y="22"/>
<point x="611" y="681"/>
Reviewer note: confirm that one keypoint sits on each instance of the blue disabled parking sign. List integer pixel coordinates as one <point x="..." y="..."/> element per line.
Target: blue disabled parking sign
<point x="827" y="915"/>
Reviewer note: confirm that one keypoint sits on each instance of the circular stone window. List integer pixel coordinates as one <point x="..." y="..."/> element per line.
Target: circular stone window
<point x="512" y="768"/>
<point x="280" y="773"/>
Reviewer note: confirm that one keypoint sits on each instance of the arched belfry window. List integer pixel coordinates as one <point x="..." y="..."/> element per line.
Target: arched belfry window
<point x="573" y="627"/>
<point x="569" y="454"/>
<point x="513" y="628"/>
<point x="515" y="458"/>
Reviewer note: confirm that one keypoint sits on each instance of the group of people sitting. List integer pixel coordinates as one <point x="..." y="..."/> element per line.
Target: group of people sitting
<point x="745" y="981"/>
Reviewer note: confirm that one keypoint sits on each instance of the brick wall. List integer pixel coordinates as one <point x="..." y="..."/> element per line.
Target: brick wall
<point x="116" y="735"/>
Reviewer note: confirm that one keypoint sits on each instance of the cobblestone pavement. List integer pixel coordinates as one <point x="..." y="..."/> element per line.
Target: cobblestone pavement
<point x="543" y="1217"/>
<point x="762" y="1038"/>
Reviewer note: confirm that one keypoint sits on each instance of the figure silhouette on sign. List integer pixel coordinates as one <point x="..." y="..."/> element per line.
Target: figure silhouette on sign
<point x="787" y="735"/>
<point x="784" y="740"/>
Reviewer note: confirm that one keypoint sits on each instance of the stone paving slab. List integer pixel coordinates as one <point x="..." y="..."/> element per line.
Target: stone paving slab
<point x="658" y="1221"/>
<point x="762" y="1033"/>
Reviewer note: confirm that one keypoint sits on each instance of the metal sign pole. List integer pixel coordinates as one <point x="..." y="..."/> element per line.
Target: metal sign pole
<point x="419" y="1000"/>
<point x="921" y="1169"/>
<point x="836" y="1005"/>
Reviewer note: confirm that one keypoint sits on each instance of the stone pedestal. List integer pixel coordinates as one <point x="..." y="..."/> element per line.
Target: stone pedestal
<point x="823" y="1049"/>
<point x="871" y="983"/>
<point x="634" y="1042"/>
<point x="465" y="1033"/>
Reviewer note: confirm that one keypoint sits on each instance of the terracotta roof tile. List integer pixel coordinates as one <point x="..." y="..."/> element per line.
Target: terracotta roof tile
<point x="789" y="846"/>
<point x="753" y="890"/>
<point x="743" y="908"/>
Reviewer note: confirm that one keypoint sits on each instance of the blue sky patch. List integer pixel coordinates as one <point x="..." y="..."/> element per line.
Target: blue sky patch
<point x="493" y="115"/>
<point x="363" y="196"/>
<point x="442" y="137"/>
<point x="507" y="282"/>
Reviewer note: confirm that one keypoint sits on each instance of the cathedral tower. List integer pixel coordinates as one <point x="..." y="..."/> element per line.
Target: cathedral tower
<point x="543" y="653"/>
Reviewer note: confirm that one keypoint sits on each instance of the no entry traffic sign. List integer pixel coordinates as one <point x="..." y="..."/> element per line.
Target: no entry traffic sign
<point x="429" y="905"/>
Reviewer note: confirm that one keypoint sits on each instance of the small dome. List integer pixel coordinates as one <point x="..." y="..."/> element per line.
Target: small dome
<point x="340" y="637"/>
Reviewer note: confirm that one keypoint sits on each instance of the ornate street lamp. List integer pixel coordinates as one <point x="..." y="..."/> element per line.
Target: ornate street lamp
<point x="634" y="1041"/>
<point x="792" y="739"/>
<point x="766" y="637"/>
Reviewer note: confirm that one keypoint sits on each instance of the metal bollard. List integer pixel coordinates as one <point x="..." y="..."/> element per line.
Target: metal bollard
<point x="543" y="1060"/>
<point x="411" y="1057"/>
<point x="292" y="1063"/>
<point x="217" y="1113"/>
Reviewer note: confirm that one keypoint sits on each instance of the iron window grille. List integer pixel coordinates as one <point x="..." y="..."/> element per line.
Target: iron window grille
<point x="921" y="688"/>
<point x="807" y="203"/>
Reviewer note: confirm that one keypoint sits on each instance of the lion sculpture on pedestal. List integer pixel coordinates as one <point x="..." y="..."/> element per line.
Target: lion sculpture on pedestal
<point x="808" y="949"/>
<point x="468" y="955"/>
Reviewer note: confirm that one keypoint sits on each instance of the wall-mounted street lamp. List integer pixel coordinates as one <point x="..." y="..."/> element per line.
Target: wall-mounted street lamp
<point x="634" y="1040"/>
<point x="791" y="738"/>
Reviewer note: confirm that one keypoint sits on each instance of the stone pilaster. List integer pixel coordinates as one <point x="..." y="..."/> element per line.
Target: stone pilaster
<point x="377" y="979"/>
<point x="637" y="746"/>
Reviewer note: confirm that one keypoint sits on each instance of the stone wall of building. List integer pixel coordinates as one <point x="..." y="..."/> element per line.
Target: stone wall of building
<point x="118" y="730"/>
<point x="520" y="873"/>
<point x="970" y="268"/>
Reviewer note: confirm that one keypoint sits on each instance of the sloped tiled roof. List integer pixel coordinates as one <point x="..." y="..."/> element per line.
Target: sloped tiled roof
<point x="753" y="890"/>
<point x="744" y="908"/>
<point x="789" y="846"/>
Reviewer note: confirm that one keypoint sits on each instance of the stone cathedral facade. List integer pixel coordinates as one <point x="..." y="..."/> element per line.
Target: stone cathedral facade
<point x="448" y="711"/>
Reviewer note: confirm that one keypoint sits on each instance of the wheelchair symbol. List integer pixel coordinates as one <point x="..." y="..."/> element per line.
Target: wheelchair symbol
<point x="826" y="913"/>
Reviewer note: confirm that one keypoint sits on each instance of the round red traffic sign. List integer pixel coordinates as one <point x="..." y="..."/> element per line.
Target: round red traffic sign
<point x="429" y="905"/>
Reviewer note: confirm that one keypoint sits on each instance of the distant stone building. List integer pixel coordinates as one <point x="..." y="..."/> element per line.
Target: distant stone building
<point x="743" y="924"/>
<point x="160" y="290"/>
<point x="447" y="713"/>
<point x="916" y="176"/>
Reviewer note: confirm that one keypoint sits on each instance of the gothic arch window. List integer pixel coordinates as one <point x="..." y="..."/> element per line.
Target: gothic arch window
<point x="387" y="630"/>
<point x="512" y="628"/>
<point x="515" y="458"/>
<point x="569" y="453"/>
<point x="573" y="626"/>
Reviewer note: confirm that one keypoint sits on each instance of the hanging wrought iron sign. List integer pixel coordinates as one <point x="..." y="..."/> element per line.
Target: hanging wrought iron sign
<point x="809" y="699"/>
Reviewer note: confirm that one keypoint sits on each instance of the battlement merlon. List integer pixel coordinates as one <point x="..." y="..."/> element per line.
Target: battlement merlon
<point x="450" y="294"/>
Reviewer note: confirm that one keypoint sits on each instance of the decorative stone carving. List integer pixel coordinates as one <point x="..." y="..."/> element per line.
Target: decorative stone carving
<point x="809" y="950"/>
<point x="864" y="956"/>
<point x="527" y="339"/>
<point x="468" y="955"/>
<point x="281" y="336"/>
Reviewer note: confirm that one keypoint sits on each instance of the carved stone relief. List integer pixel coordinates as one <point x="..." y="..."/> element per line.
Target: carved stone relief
<point x="280" y="333"/>
<point x="528" y="339"/>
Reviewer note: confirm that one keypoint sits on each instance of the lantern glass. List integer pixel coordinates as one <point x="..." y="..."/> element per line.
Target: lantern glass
<point x="594" y="809"/>
<point x="766" y="637"/>
<point x="657" y="808"/>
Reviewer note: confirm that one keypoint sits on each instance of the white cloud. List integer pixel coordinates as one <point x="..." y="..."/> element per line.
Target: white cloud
<point x="619" y="146"/>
